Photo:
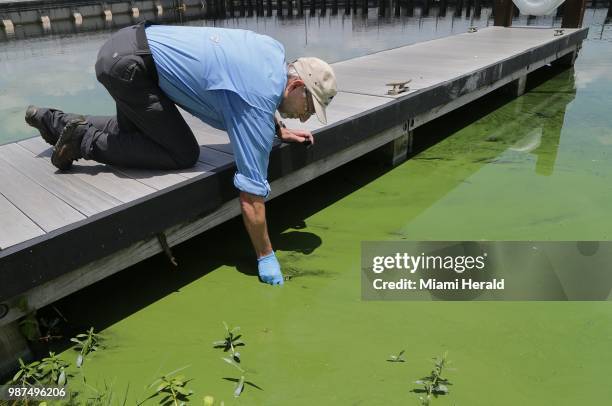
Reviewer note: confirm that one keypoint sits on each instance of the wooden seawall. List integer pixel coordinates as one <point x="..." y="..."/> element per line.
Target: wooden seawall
<point x="60" y="232"/>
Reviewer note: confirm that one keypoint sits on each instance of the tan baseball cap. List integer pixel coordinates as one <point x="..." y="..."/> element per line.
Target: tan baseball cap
<point x="320" y="81"/>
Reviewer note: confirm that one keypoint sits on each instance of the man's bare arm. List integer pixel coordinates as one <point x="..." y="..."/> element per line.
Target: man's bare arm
<point x="254" y="217"/>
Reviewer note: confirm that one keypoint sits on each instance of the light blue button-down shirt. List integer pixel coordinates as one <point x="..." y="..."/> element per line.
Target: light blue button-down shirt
<point x="232" y="80"/>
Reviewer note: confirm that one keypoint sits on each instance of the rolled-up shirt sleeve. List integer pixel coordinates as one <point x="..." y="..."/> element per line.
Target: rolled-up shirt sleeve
<point x="251" y="132"/>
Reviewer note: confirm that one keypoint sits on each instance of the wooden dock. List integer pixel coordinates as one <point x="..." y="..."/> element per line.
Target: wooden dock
<point x="60" y="232"/>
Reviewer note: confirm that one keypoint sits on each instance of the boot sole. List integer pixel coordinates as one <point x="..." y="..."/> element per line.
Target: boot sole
<point x="31" y="121"/>
<point x="59" y="158"/>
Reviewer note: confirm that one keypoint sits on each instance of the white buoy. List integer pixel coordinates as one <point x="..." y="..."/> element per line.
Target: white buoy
<point x="78" y="19"/>
<point x="160" y="9"/>
<point x="46" y="22"/>
<point x="8" y="27"/>
<point x="108" y="16"/>
<point x="135" y="12"/>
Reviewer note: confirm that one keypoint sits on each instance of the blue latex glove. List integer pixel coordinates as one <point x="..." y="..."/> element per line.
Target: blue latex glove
<point x="269" y="270"/>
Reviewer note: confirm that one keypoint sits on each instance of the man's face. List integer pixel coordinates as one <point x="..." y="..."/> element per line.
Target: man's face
<point x="298" y="103"/>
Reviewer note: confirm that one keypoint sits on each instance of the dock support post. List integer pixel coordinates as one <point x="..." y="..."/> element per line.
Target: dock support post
<point x="396" y="151"/>
<point x="442" y="8"/>
<point x="425" y="9"/>
<point x="458" y="8"/>
<point x="279" y="8"/>
<point x="12" y="347"/>
<point x="517" y="87"/>
<point x="573" y="12"/>
<point x="567" y="60"/>
<point x="503" y="11"/>
<point x="409" y="8"/>
<point x="477" y="8"/>
<point x="347" y="7"/>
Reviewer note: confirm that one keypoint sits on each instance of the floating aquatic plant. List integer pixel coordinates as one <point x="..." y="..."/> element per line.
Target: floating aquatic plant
<point x="52" y="370"/>
<point x="86" y="343"/>
<point x="28" y="374"/>
<point x="240" y="382"/>
<point x="435" y="384"/>
<point x="397" y="358"/>
<point x="231" y="341"/>
<point x="172" y="389"/>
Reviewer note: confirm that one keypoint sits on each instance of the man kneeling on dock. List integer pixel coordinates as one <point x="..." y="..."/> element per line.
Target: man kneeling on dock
<point x="233" y="80"/>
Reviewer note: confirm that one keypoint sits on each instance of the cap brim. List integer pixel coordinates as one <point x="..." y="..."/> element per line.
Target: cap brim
<point x="320" y="110"/>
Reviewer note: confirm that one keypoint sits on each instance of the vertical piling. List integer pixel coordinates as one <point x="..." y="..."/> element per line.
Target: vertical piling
<point x="425" y="9"/>
<point x="269" y="8"/>
<point x="468" y="8"/>
<point x="334" y="7"/>
<point x="477" y="8"/>
<point x="442" y="8"/>
<point x="573" y="13"/>
<point x="347" y="7"/>
<point x="364" y="7"/>
<point x="381" y="8"/>
<point x="12" y="345"/>
<point x="279" y="8"/>
<point x="299" y="5"/>
<point x="323" y="7"/>
<point x="409" y="8"/>
<point x="503" y="11"/>
<point x="396" y="152"/>
<point x="459" y="8"/>
<point x="290" y="8"/>
<point x="397" y="10"/>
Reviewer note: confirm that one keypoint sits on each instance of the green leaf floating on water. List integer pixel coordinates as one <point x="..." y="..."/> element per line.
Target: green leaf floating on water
<point x="239" y="387"/>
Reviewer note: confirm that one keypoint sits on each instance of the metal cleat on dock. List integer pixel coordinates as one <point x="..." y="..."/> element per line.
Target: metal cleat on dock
<point x="472" y="29"/>
<point x="558" y="31"/>
<point x="398" y="87"/>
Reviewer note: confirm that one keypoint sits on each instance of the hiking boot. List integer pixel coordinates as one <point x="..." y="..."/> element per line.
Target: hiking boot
<point x="68" y="146"/>
<point x="34" y="120"/>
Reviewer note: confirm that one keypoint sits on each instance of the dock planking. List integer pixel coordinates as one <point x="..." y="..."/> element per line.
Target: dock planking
<point x="445" y="74"/>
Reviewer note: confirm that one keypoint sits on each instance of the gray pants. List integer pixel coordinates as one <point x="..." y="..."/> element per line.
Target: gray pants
<point x="148" y="130"/>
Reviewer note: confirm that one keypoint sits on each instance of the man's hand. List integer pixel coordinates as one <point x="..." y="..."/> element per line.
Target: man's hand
<point x="254" y="216"/>
<point x="295" y="135"/>
<point x="269" y="270"/>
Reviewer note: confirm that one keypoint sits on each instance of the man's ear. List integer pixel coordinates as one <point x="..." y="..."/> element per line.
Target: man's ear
<point x="295" y="84"/>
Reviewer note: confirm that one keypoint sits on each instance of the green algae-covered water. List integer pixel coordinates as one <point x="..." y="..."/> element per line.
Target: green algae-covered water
<point x="535" y="168"/>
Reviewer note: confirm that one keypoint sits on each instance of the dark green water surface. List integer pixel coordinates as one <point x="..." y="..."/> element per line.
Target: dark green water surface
<point x="537" y="167"/>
